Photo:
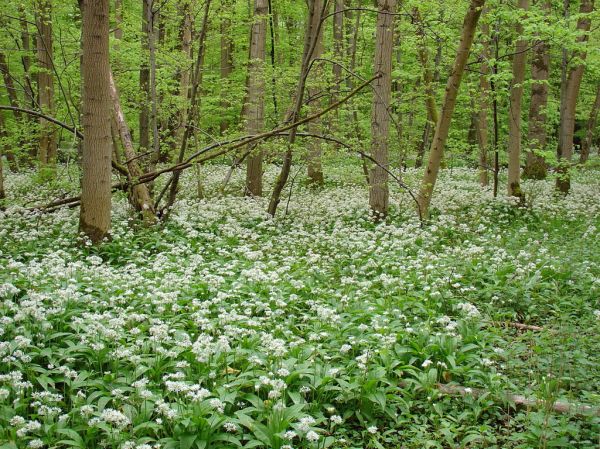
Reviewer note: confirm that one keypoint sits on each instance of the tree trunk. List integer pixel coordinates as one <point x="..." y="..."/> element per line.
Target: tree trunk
<point x="482" y="113"/>
<point x="567" y="118"/>
<point x="14" y="102"/>
<point x="48" y="138"/>
<point x="26" y="59"/>
<point x="152" y="35"/>
<point x="432" y="114"/>
<point x="94" y="217"/>
<point x="226" y="66"/>
<point x="535" y="167"/>
<point x="591" y="126"/>
<point x="443" y="124"/>
<point x="514" y="113"/>
<point x="338" y="48"/>
<point x="186" y="54"/>
<point x="254" y="109"/>
<point x="4" y="148"/>
<point x="314" y="165"/>
<point x="144" y="115"/>
<point x="118" y="19"/>
<point x="192" y="113"/>
<point x="139" y="196"/>
<point x="310" y="40"/>
<point x="380" y="118"/>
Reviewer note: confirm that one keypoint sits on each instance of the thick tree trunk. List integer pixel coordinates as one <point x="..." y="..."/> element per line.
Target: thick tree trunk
<point x="514" y="113"/>
<point x="144" y="115"/>
<point x="94" y="217"/>
<point x="380" y="118"/>
<point x="48" y="138"/>
<point x="313" y="160"/>
<point x="254" y="109"/>
<point x="535" y="167"/>
<point x="591" y="126"/>
<point x="443" y="124"/>
<point x="567" y="117"/>
<point x="226" y="65"/>
<point x="139" y="196"/>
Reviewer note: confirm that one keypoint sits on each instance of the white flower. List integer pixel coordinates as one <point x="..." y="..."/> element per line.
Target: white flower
<point x="36" y="444"/>
<point x="312" y="436"/>
<point x="426" y="363"/>
<point x="336" y="419"/>
<point x="372" y="429"/>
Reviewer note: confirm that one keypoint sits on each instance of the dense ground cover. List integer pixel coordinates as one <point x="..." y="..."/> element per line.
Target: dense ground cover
<point x="319" y="329"/>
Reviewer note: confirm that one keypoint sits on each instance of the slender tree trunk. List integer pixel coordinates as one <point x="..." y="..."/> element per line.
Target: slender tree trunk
<point x="514" y="113"/>
<point x="226" y="61"/>
<point x="48" y="138"/>
<point x="482" y="113"/>
<point x="152" y="38"/>
<point x="564" y="68"/>
<point x="94" y="217"/>
<point x="443" y="124"/>
<point x="139" y="196"/>
<point x="26" y="59"/>
<point x="4" y="148"/>
<point x="535" y="167"/>
<point x="591" y="126"/>
<point x="567" y="118"/>
<point x="314" y="165"/>
<point x="310" y="40"/>
<point x="184" y="78"/>
<point x="432" y="114"/>
<point x="254" y="109"/>
<point x="338" y="48"/>
<point x="118" y="19"/>
<point x="144" y="115"/>
<point x="380" y="118"/>
<point x="14" y="102"/>
<point x="193" y="111"/>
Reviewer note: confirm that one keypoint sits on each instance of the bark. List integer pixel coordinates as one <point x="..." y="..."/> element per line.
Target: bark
<point x="48" y="138"/>
<point x="314" y="165"/>
<point x="567" y="117"/>
<point x="338" y="42"/>
<point x="591" y="126"/>
<point x="139" y="195"/>
<point x="535" y="167"/>
<point x="310" y="40"/>
<point x="152" y="35"/>
<point x="254" y="109"/>
<point x="192" y="114"/>
<point x="514" y="113"/>
<point x="226" y="65"/>
<point x="4" y="148"/>
<point x="442" y="128"/>
<point x="380" y="118"/>
<point x="94" y="216"/>
<point x="118" y="19"/>
<point x="482" y="113"/>
<point x="14" y="102"/>
<point x="26" y="58"/>
<point x="144" y="115"/>
<point x="184" y="78"/>
<point x="428" y="80"/>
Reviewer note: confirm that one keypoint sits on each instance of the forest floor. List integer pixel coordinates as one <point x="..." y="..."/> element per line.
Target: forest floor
<point x="223" y="328"/>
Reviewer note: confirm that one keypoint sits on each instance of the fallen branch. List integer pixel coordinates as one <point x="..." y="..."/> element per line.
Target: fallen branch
<point x="522" y="401"/>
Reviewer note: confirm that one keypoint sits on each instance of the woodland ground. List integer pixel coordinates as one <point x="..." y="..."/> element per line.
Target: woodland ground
<point x="224" y="328"/>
